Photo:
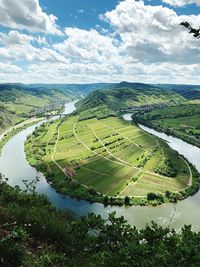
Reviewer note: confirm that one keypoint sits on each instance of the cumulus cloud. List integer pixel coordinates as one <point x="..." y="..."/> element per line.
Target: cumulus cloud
<point x="6" y="68"/>
<point x="141" y="43"/>
<point x="88" y="46"/>
<point x="16" y="46"/>
<point x="152" y="34"/>
<point x="30" y="53"/>
<point x="28" y="15"/>
<point x="180" y="3"/>
<point x="15" y="38"/>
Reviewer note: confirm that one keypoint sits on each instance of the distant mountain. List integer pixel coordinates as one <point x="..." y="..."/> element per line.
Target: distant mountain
<point x="78" y="89"/>
<point x="134" y="85"/>
<point x="14" y="92"/>
<point x="187" y="91"/>
<point x="17" y="101"/>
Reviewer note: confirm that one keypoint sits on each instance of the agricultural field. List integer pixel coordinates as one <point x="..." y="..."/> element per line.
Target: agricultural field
<point x="182" y="121"/>
<point x="107" y="156"/>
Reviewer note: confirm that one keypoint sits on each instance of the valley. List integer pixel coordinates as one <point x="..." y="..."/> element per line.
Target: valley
<point x="19" y="103"/>
<point x="99" y="133"/>
<point x="85" y="156"/>
<point x="94" y="154"/>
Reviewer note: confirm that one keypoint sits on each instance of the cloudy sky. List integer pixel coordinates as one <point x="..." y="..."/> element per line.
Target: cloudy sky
<point x="78" y="41"/>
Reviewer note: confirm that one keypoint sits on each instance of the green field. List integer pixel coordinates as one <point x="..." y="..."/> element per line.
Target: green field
<point x="108" y="156"/>
<point x="182" y="121"/>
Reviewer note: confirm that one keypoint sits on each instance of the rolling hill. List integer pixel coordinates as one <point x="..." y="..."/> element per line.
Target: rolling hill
<point x="188" y="91"/>
<point x="95" y="155"/>
<point x="18" y="102"/>
<point x="125" y="96"/>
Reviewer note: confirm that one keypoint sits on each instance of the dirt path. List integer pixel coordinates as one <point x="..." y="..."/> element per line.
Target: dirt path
<point x="52" y="158"/>
<point x="95" y="153"/>
<point x="108" y="151"/>
<point x="118" y="160"/>
<point x="125" y="137"/>
<point x="54" y="152"/>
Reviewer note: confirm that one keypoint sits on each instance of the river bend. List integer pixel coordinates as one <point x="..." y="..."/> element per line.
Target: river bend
<point x="14" y="166"/>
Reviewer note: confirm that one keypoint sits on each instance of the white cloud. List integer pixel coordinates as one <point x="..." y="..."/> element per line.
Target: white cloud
<point x="18" y="47"/>
<point x="88" y="46"/>
<point x="152" y="34"/>
<point x="180" y="3"/>
<point x="28" y="15"/>
<point x="141" y="43"/>
<point x="9" y="69"/>
<point x="15" y="38"/>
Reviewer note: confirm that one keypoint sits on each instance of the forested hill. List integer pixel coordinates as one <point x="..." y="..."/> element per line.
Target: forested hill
<point x="18" y="102"/>
<point x="78" y="89"/>
<point x="128" y="95"/>
<point x="188" y="91"/>
<point x="17" y="92"/>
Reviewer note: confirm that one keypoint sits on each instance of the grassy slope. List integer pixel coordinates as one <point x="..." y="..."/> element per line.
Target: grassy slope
<point x="125" y="96"/>
<point x="181" y="121"/>
<point x="18" y="102"/>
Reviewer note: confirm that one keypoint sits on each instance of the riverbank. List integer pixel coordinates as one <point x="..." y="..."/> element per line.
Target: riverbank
<point x="189" y="139"/>
<point x="34" y="233"/>
<point x="19" y="125"/>
<point x="180" y="121"/>
<point x="14" y="166"/>
<point x="58" y="175"/>
<point x="12" y="131"/>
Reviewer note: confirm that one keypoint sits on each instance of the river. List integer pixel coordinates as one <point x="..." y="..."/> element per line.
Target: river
<point x="14" y="166"/>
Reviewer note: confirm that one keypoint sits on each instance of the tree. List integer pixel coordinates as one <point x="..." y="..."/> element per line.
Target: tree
<point x="127" y="200"/>
<point x="195" y="32"/>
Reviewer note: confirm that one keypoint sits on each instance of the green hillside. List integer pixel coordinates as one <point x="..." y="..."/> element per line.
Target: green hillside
<point x="182" y="121"/>
<point x="18" y="102"/>
<point x="126" y="96"/>
<point x="94" y="154"/>
<point x="34" y="233"/>
<point x="187" y="91"/>
<point x="6" y="118"/>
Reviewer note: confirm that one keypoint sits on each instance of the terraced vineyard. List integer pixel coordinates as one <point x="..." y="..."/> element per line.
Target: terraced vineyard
<point x="104" y="157"/>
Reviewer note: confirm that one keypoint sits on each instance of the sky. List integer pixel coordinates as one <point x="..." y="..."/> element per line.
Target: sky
<point x="88" y="41"/>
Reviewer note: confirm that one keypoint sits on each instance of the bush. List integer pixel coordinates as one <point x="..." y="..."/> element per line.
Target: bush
<point x="12" y="247"/>
<point x="151" y="196"/>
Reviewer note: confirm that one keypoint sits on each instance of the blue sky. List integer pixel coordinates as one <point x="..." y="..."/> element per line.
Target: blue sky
<point x="84" y="13"/>
<point x="78" y="41"/>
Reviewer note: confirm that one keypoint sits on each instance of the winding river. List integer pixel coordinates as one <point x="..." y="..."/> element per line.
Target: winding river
<point x="14" y="166"/>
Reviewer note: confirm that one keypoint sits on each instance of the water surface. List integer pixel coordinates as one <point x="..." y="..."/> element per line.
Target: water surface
<point x="13" y="164"/>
